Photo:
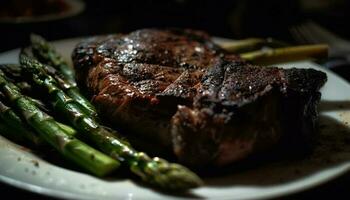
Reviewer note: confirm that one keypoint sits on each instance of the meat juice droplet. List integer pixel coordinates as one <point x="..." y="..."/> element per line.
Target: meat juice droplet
<point x="108" y="65"/>
<point x="198" y="49"/>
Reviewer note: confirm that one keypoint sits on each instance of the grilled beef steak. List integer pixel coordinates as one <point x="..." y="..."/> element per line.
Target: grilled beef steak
<point x="210" y="107"/>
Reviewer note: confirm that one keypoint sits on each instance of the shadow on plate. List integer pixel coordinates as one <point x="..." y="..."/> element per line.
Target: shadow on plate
<point x="334" y="106"/>
<point x="332" y="148"/>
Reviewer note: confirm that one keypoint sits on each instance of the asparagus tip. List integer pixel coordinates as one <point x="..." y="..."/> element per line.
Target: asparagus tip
<point x="181" y="178"/>
<point x="169" y="176"/>
<point x="34" y="38"/>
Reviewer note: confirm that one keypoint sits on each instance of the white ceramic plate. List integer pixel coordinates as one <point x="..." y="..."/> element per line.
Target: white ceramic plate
<point x="330" y="159"/>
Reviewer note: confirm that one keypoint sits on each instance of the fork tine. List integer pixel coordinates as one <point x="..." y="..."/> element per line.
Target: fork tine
<point x="339" y="46"/>
<point x="322" y="33"/>
<point x="311" y="32"/>
<point x="309" y="35"/>
<point x="297" y="35"/>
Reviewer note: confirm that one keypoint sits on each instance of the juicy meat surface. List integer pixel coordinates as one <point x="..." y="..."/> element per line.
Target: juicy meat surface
<point x="180" y="89"/>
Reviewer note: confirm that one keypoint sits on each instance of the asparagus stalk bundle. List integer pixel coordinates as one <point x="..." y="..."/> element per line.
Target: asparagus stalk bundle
<point x="75" y="150"/>
<point x="155" y="171"/>
<point x="13" y="126"/>
<point x="66" y="83"/>
<point x="47" y="54"/>
<point x="15" y="72"/>
<point x="73" y="92"/>
<point x="7" y="113"/>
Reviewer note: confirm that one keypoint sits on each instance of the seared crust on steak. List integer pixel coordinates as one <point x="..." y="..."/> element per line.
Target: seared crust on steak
<point x="180" y="89"/>
<point x="239" y="110"/>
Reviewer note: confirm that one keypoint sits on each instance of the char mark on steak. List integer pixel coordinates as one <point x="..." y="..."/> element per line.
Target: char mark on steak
<point x="210" y="107"/>
<point x="240" y="110"/>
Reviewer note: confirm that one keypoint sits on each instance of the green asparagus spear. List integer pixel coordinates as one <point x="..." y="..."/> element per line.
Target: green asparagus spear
<point x="13" y="71"/>
<point x="270" y="56"/>
<point x="67" y="129"/>
<point x="48" y="55"/>
<point x="12" y="120"/>
<point x="243" y="45"/>
<point x="72" y="91"/>
<point x="24" y="129"/>
<point x="251" y="44"/>
<point x="68" y="86"/>
<point x="70" y="147"/>
<point x="155" y="171"/>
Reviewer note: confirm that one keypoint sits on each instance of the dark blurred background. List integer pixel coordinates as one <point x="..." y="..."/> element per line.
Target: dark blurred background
<point x="232" y="19"/>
